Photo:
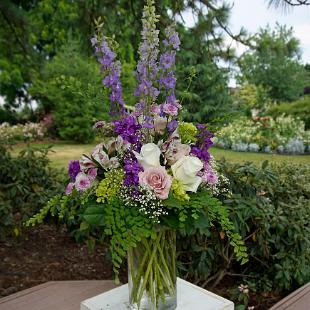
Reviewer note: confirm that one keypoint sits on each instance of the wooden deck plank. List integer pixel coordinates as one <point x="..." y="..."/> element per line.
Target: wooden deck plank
<point x="56" y="295"/>
<point x="298" y="300"/>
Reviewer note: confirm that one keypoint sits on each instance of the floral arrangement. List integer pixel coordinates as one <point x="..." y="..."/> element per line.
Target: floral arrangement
<point x="150" y="174"/>
<point x="284" y="134"/>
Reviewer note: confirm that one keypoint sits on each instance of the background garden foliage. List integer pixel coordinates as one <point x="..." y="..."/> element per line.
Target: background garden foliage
<point x="269" y="205"/>
<point x="45" y="55"/>
<point x="26" y="184"/>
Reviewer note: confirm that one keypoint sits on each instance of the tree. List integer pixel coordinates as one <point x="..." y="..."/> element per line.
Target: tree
<point x="70" y="88"/>
<point x="34" y="32"/>
<point x="275" y="64"/>
<point x="287" y="3"/>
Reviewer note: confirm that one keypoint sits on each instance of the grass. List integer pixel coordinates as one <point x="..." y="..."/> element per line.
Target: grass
<point x="63" y="152"/>
<point x="258" y="158"/>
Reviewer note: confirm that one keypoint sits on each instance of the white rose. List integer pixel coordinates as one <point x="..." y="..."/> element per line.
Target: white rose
<point x="185" y="170"/>
<point x="149" y="156"/>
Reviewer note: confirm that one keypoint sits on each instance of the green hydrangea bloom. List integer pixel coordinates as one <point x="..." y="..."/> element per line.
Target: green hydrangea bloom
<point x="187" y="132"/>
<point x="178" y="190"/>
<point x="110" y="186"/>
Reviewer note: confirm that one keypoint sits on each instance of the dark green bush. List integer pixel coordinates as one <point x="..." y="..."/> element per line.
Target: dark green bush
<point x="271" y="208"/>
<point x="71" y="89"/>
<point x="26" y="183"/>
<point x="299" y="108"/>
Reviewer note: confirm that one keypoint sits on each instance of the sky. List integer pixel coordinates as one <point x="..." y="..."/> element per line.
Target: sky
<point x="255" y="14"/>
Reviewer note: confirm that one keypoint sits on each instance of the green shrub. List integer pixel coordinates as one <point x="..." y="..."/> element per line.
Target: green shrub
<point x="21" y="133"/>
<point x="271" y="208"/>
<point x="284" y="134"/>
<point x="71" y="88"/>
<point x="26" y="183"/>
<point x="299" y="108"/>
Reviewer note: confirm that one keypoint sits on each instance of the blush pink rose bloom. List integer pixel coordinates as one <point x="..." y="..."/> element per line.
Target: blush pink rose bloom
<point x="158" y="179"/>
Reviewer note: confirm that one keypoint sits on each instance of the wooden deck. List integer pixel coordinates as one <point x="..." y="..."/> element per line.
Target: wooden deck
<point x="58" y="295"/>
<point x="298" y="300"/>
<point x="67" y="295"/>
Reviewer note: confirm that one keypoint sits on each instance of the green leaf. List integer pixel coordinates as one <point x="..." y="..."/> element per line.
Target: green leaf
<point x="94" y="215"/>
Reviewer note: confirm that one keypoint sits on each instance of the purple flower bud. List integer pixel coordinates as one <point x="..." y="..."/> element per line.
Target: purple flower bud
<point x="172" y="126"/>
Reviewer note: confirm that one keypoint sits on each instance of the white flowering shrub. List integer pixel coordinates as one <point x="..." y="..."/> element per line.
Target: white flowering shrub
<point x="284" y="134"/>
<point x="18" y="133"/>
<point x="253" y="147"/>
<point x="240" y="146"/>
<point x="295" y="146"/>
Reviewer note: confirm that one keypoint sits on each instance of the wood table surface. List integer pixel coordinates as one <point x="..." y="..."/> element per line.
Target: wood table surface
<point x="55" y="295"/>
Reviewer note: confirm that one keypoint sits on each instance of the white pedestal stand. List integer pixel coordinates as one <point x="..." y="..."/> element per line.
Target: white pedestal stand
<point x="190" y="297"/>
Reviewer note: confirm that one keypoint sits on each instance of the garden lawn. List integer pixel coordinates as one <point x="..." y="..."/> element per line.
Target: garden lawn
<point x="63" y="152"/>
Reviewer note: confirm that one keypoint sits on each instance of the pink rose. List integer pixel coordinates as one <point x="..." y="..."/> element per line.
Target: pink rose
<point x="170" y="109"/>
<point x="158" y="179"/>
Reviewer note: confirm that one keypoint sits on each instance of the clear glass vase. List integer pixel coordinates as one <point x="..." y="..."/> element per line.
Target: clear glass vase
<point x="152" y="273"/>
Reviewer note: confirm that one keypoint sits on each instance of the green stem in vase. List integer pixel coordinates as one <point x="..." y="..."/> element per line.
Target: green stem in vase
<point x="154" y="275"/>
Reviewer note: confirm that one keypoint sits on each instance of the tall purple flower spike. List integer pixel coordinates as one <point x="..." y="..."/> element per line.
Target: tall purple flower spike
<point x="167" y="80"/>
<point x="147" y="66"/>
<point x="111" y="70"/>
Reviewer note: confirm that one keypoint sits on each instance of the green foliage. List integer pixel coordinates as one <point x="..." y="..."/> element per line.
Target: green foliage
<point x="270" y="206"/>
<point x="71" y="89"/>
<point x="299" y="108"/>
<point x="207" y="97"/>
<point x="249" y="97"/>
<point x="126" y="227"/>
<point x="275" y="65"/>
<point x="26" y="183"/>
<point x="201" y="214"/>
<point x="283" y="134"/>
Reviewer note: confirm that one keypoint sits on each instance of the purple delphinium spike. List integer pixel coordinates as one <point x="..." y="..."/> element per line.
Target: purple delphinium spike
<point x="147" y="66"/>
<point x="167" y="80"/>
<point x="111" y="70"/>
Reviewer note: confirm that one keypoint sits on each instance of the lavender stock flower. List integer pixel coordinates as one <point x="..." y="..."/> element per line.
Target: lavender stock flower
<point x="132" y="169"/>
<point x="204" y="142"/>
<point x="74" y="169"/>
<point x="127" y="128"/>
